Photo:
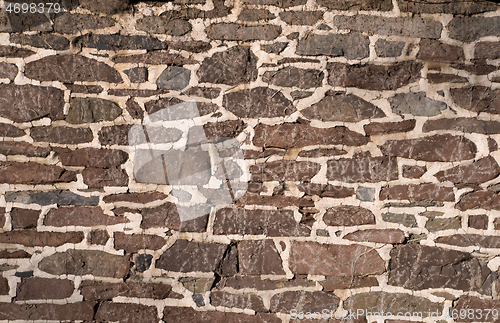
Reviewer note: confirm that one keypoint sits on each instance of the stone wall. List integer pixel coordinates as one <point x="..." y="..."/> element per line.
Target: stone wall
<point x="370" y="137"/>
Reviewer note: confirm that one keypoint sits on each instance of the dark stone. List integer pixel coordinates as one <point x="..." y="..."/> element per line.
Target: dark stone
<point x="94" y="290"/>
<point x="327" y="190"/>
<point x="204" y="92"/>
<point x="143" y="262"/>
<point x="23" y="148"/>
<point x="156" y="58"/>
<point x="379" y="128"/>
<point x="294" y="77"/>
<point x="132" y="243"/>
<point x="198" y="299"/>
<point x="467" y="240"/>
<point x="204" y="108"/>
<point x="388" y="48"/>
<point x="194" y="46"/>
<point x="274" y="48"/>
<point x="33" y="173"/>
<point x="348" y="215"/>
<point x="307" y="18"/>
<point x="73" y="23"/>
<point x="8" y="71"/>
<point x="119" y="42"/>
<point x="255" y="15"/>
<point x="126" y="313"/>
<point x="377" y="235"/>
<point x="137" y="74"/>
<point x="62" y="135"/>
<point x="49" y="41"/>
<point x="134" y="109"/>
<point x="24" y="274"/>
<point x="51" y="197"/>
<point x="297" y="95"/>
<point x="114" y="135"/>
<point x="356" y="5"/>
<point x="436" y="51"/>
<point x="352" y="45"/>
<point x="417" y="104"/>
<point x="222" y="298"/>
<point x="477" y="99"/>
<point x="260" y="102"/>
<point x="174" y="78"/>
<point x="479" y="222"/>
<point x="347" y="282"/>
<point x="98" y="237"/>
<point x="171" y="313"/>
<point x="7" y="130"/>
<point x="413" y="171"/>
<point x="278" y="3"/>
<point x="98" y="177"/>
<point x="438" y="224"/>
<point x="24" y="219"/>
<point x="163" y="25"/>
<point x="284" y="170"/>
<point x="105" y="6"/>
<point x="460" y="7"/>
<point x="88" y="110"/>
<point x="11" y="51"/>
<point x="469" y="29"/>
<point x="233" y="31"/>
<point x="44" y="288"/>
<point x="478" y="67"/>
<point x="142" y="198"/>
<point x="85" y="89"/>
<point x="485" y="50"/>
<point x="32" y="238"/>
<point x="436" y="78"/>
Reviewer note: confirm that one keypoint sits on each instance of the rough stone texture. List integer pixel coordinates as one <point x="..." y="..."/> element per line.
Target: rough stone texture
<point x="478" y="222"/>
<point x="469" y="29"/>
<point x="80" y="216"/>
<point x="116" y="42"/>
<point x="253" y="302"/>
<point x="325" y="190"/>
<point x="62" y="135"/>
<point x="171" y="314"/>
<point x="465" y="240"/>
<point x="259" y="101"/>
<point x="22" y="148"/>
<point x="126" y="313"/>
<point x="435" y="51"/>
<point x="380" y="236"/>
<point x="487" y="50"/>
<point x="355" y="5"/>
<point x="114" y="135"/>
<point x="352" y="45"/>
<point x="103" y="291"/>
<point x="100" y="158"/>
<point x="461" y="7"/>
<point x="417" y="192"/>
<point x="11" y="51"/>
<point x="443" y="224"/>
<point x="87" y="110"/>
<point x="347" y="282"/>
<point x="137" y="74"/>
<point x="174" y="78"/>
<point x="32" y="238"/>
<point x="387" y="48"/>
<point x="44" y="288"/>
<point x="275" y="48"/>
<point x="408" y="220"/>
<point x="99" y="177"/>
<point x="480" y="199"/>
<point x="234" y="66"/>
<point x="303" y="301"/>
<point x="7" y="130"/>
<point x="477" y="98"/>
<point x="24" y="219"/>
<point x="8" y="71"/>
<point x="466" y="125"/>
<point x="284" y="171"/>
<point x="478" y="172"/>
<point x="135" y="242"/>
<point x="66" y="312"/>
<point x="32" y="173"/>
<point x="255" y="15"/>
<point x="348" y="215"/>
<point x="48" y="41"/>
<point x="98" y="237"/>
<point x="362" y="168"/>
<point x="239" y="32"/>
<point x="435" y="78"/>
<point x="379" y="128"/>
<point x="155" y="58"/>
<point x="164" y="25"/>
<point x="301" y="17"/>
<point x="416" y="104"/>
<point x="374" y="77"/>
<point x="68" y="23"/>
<point x="259" y="257"/>
<point x="294" y="77"/>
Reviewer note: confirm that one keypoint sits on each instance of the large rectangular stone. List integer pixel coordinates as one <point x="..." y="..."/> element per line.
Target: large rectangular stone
<point x="352" y="45"/>
<point x="363" y="168"/>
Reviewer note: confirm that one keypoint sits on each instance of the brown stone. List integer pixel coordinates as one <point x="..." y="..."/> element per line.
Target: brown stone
<point x="278" y="201"/>
<point x="72" y="23"/>
<point x="134" y="109"/>
<point x="87" y="110"/>
<point x="436" y="51"/>
<point x="24" y="103"/>
<point x="255" y="282"/>
<point x="385" y="128"/>
<point x="194" y="46"/>
<point x="8" y="71"/>
<point x="156" y="58"/>
<point x="71" y="68"/>
<point x="80" y="216"/>
<point x="259" y="257"/>
<point x="362" y="168"/>
<point x="479" y="222"/>
<point x="413" y="171"/>
<point x="204" y="108"/>
<point x="44" y="288"/>
<point x="98" y="177"/>
<point x="260" y="102"/>
<point x="327" y="190"/>
<point x="240" y="32"/>
<point x="7" y="130"/>
<point x="271" y="223"/>
<point x="477" y="98"/>
<point x="142" y="198"/>
<point x="204" y="92"/>
<point x="294" y="135"/>
<point x="334" y="260"/>
<point x="4" y="286"/>
<point x="132" y="243"/>
<point x="6" y="254"/>
<point x="284" y="171"/>
<point x="468" y="303"/>
<point x="91" y="157"/>
<point x="374" y="77"/>
<point x="418" y="192"/>
<point x="347" y="282"/>
<point x="32" y="238"/>
<point x="460" y="7"/>
<point x="166" y="216"/>
<point x="307" y="18"/>
<point x="303" y="301"/>
<point x="163" y="25"/>
<point x="104" y="6"/>
<point x="24" y="219"/>
<point x="85" y="262"/>
<point x="478" y="172"/>
<point x="126" y="313"/>
<point x="11" y="51"/>
<point x="322" y="152"/>
<point x="434" y="148"/>
<point x="253" y="154"/>
<point x="92" y="290"/>
<point x="224" y="129"/>
<point x="294" y="77"/>
<point x="466" y="240"/>
<point x="436" y="78"/>
<point x="62" y="135"/>
<point x="339" y="106"/>
<point x="487" y="200"/>
<point x="492" y="145"/>
<point x="478" y="67"/>
<point x="356" y="5"/>
<point x="172" y="314"/>
<point x="253" y="302"/>
<point x="136" y="93"/>
<point x="255" y="15"/>
<point x="467" y="125"/>
<point x="114" y="135"/>
<point x="233" y="66"/>
<point x="29" y="312"/>
<point x="32" y="173"/>
<point x="45" y="40"/>
<point x="376" y="235"/>
<point x="348" y="215"/>
<point x="85" y="89"/>
<point x="487" y="50"/>
<point x="98" y="237"/>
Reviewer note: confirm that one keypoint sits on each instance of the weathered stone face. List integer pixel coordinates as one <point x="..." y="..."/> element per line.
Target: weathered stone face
<point x="239" y="32"/>
<point x="259" y="101"/>
<point x="362" y="168"/>
<point x="259" y="257"/>
<point x="234" y="66"/>
<point x="348" y="215"/>
<point x="352" y="45"/>
<point x="294" y="77"/>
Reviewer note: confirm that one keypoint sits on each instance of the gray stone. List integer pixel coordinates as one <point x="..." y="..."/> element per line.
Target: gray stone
<point x="164" y="25"/>
<point x="260" y="102"/>
<point x="73" y="23"/>
<point x="297" y="95"/>
<point x="104" y="6"/>
<point x="87" y="110"/>
<point x="408" y="220"/>
<point x="119" y="42"/>
<point x="137" y="74"/>
<point x="49" y="41"/>
<point x="198" y="299"/>
<point x="457" y="7"/>
<point x="274" y="48"/>
<point x="416" y="104"/>
<point x="142" y="262"/>
<point x="278" y="3"/>
<point x="365" y="194"/>
<point x="387" y="48"/>
<point x="52" y="197"/>
<point x="174" y="78"/>
<point x="232" y="31"/>
<point x="438" y="224"/>
<point x="197" y="285"/>
<point x="255" y="15"/>
<point x="352" y="45"/>
<point x="307" y="18"/>
<point x="294" y="77"/>
<point x="469" y="29"/>
<point x="8" y="71"/>
<point x="355" y="5"/>
<point x="415" y="27"/>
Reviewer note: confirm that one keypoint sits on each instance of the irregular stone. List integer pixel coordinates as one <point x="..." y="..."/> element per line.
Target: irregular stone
<point x="408" y="220"/>
<point x="92" y="290"/>
<point x="253" y="302"/>
<point x="143" y="262"/>
<point x="85" y="262"/>
<point x="461" y="7"/>
<point x="413" y="171"/>
<point x="274" y="48"/>
<point x="233" y="66"/>
<point x="414" y="204"/>
<point x="137" y="74"/>
<point x="312" y="258"/>
<point x="438" y="224"/>
<point x="479" y="222"/>
<point x="436" y="51"/>
<point x="327" y="190"/>
<point x="57" y="312"/>
<point x="191" y="315"/>
<point x="284" y="170"/>
<point x="156" y="57"/>
<point x="11" y="51"/>
<point x="134" y="109"/>
<point x="33" y="173"/>
<point x="260" y="102"/>
<point x="478" y="172"/>
<point x="24" y="219"/>
<point x="73" y="23"/>
<point x="294" y="135"/>
<point x="80" y="216"/>
<point x="142" y="198"/>
<point x="362" y="168"/>
<point x="375" y="235"/>
<point x="388" y="48"/>
<point x="436" y="78"/>
<point x="19" y="22"/>
<point x="271" y="223"/>
<point x="346" y="282"/>
<point x="294" y="77"/>
<point x="194" y="46"/>
<point x="8" y="71"/>
<point x="48" y="41"/>
<point x="339" y="106"/>
<point x="32" y="238"/>
<point x="98" y="237"/>
<point x="303" y="301"/>
<point x="70" y="69"/>
<point x="477" y="98"/>
<point x="92" y="157"/>
<point x="126" y="313"/>
<point x="85" y="89"/>
<point x="114" y="135"/>
<point x="414" y="27"/>
<point x="374" y="77"/>
<point x="376" y="302"/>
<point x="434" y="148"/>
<point x="99" y="177"/>
<point x="132" y="243"/>
<point x="163" y="25"/>
<point x="44" y="288"/>
<point x="487" y="50"/>
<point x="419" y="267"/>
<point x="7" y="130"/>
<point x="356" y="5"/>
<point x="242" y="282"/>
<point x="204" y="92"/>
<point x="297" y="95"/>
<point x="253" y="154"/>
<point x="118" y="42"/>
<point x="104" y="6"/>
<point x="198" y="285"/>
<point x="24" y="103"/>
<point x="224" y="129"/>
<point x="352" y="45"/>
<point x="418" y="192"/>
<point x="379" y="128"/>
<point x="417" y="104"/>
<point x="239" y="32"/>
<point x="88" y="110"/>
<point x="22" y="148"/>
<point x="467" y="240"/>
<point x="321" y="152"/>
<point x="174" y="78"/>
<point x="259" y="257"/>
<point x="255" y="15"/>
<point x="278" y="201"/>
<point x="365" y="194"/>
<point x="348" y="215"/>
<point x="204" y="108"/>
<point x="471" y="303"/>
<point x="467" y="125"/>
<point x="166" y="215"/>
<point x="469" y="29"/>
<point x="62" y="135"/>
<point x="307" y="18"/>
<point x="478" y="67"/>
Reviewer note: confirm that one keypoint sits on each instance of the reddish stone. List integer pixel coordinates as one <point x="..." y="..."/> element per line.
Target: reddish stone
<point x="103" y="291"/>
<point x="295" y="135"/>
<point x="98" y="177"/>
<point x="496" y="224"/>
<point x="487" y="50"/>
<point x="291" y="76"/>
<point x="303" y="301"/>
<point x="126" y="313"/>
<point x="71" y="68"/>
<point x="284" y="170"/>
<point x="347" y="282"/>
<point x="23" y="148"/>
<point x="253" y="302"/>
<point x="114" y="135"/>
<point x="4" y="286"/>
<point x="24" y="219"/>
<point x="134" y="109"/>
<point x="334" y="260"/>
<point x="478" y="67"/>
<point x="487" y="200"/>
<point x="91" y="157"/>
<point x="434" y="148"/>
<point x="32" y="238"/>
<point x="375" y="235"/>
<point x="321" y="152"/>
<point x="174" y="314"/>
<point x="385" y="128"/>
<point x="142" y="198"/>
<point x="362" y="168"/>
<point x="136" y="93"/>
<point x="132" y="243"/>
<point x="418" y="192"/>
<point x="85" y="89"/>
<point x="259" y="257"/>
<point x="252" y="154"/>
<point x="62" y="135"/>
<point x="466" y="240"/>
<point x="413" y="171"/>
<point x="325" y="190"/>
<point x="478" y="172"/>
<point x="29" y="312"/>
<point x="436" y="51"/>
<point x="153" y="106"/>
<point x="99" y="237"/>
<point x="477" y="99"/>
<point x="80" y="216"/>
<point x="436" y="78"/>
<point x="44" y="288"/>
<point x="348" y="215"/>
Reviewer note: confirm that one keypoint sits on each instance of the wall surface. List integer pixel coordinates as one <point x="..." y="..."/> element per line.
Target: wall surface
<point x="365" y="150"/>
